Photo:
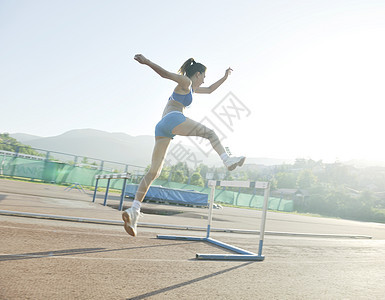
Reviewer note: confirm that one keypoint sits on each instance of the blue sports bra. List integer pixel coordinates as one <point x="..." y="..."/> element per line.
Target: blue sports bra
<point x="183" y="99"/>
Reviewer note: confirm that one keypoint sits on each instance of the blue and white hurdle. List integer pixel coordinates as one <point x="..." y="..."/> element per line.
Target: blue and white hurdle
<point x="124" y="176"/>
<point x="241" y="253"/>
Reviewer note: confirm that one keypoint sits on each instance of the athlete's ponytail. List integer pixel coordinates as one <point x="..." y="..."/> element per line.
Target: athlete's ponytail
<point x="190" y="67"/>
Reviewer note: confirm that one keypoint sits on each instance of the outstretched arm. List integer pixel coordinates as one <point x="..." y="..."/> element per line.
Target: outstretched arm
<point x="180" y="79"/>
<point x="214" y="86"/>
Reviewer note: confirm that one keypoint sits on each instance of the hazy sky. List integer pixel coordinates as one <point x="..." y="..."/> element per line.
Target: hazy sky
<point x="309" y="74"/>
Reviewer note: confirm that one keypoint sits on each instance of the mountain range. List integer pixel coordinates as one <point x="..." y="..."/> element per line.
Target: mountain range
<point x="118" y="147"/>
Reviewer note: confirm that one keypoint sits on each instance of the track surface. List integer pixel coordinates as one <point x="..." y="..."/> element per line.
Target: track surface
<point x="51" y="259"/>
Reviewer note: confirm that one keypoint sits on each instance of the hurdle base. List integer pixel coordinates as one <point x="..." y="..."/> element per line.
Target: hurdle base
<point x="241" y="253"/>
<point x="248" y="257"/>
<point x="182" y="238"/>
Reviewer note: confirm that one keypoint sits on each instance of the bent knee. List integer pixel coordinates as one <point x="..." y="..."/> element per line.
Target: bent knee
<point x="210" y="134"/>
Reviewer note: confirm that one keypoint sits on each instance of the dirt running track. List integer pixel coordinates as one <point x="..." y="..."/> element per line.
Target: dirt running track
<point x="53" y="259"/>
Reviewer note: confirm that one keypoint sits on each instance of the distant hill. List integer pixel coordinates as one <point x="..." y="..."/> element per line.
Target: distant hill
<point x="118" y="147"/>
<point x="23" y="137"/>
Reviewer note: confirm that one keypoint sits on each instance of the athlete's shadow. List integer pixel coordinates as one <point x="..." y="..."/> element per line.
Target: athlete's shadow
<point x="182" y="284"/>
<point x="79" y="251"/>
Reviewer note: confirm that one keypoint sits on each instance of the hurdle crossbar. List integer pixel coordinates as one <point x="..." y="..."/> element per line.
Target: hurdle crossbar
<point x="241" y="253"/>
<point x="124" y="176"/>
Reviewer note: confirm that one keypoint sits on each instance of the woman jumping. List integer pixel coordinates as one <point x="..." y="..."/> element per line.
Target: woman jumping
<point x="189" y="80"/>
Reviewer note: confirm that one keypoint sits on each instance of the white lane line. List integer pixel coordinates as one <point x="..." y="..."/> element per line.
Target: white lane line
<point x="64" y="231"/>
<point x="302" y="262"/>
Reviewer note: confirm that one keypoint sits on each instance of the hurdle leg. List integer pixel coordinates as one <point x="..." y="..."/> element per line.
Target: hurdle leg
<point x="210" y="216"/>
<point x="96" y="187"/>
<point x="106" y="195"/>
<point x="123" y="194"/>
<point x="263" y="220"/>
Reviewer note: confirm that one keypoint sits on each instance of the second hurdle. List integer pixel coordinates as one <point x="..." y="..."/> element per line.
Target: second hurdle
<point x="124" y="176"/>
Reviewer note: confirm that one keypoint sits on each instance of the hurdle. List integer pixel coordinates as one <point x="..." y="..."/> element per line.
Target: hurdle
<point x="124" y="176"/>
<point x="241" y="253"/>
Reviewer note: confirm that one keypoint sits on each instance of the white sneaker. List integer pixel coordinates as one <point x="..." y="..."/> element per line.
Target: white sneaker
<point x="130" y="218"/>
<point x="232" y="162"/>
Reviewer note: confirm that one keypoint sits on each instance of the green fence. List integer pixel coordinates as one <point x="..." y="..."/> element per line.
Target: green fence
<point x="62" y="173"/>
<point x="53" y="172"/>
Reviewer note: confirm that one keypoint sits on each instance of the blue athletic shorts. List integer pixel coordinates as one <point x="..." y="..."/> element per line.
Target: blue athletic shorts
<point x="168" y="123"/>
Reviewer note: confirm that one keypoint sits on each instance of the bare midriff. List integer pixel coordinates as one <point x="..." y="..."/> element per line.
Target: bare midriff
<point x="173" y="105"/>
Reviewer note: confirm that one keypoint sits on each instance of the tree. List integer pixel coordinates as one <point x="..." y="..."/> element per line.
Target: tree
<point x="85" y="161"/>
<point x="182" y="172"/>
<point x="306" y="179"/>
<point x="203" y="170"/>
<point x="286" y="180"/>
<point x="178" y="176"/>
<point x="8" y="143"/>
<point x="165" y="173"/>
<point x="196" y="179"/>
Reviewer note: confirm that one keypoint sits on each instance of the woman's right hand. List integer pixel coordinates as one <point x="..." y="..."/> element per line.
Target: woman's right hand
<point x="141" y="59"/>
<point x="228" y="72"/>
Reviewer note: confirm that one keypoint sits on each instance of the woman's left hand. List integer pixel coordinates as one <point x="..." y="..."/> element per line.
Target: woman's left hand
<point x="141" y="59"/>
